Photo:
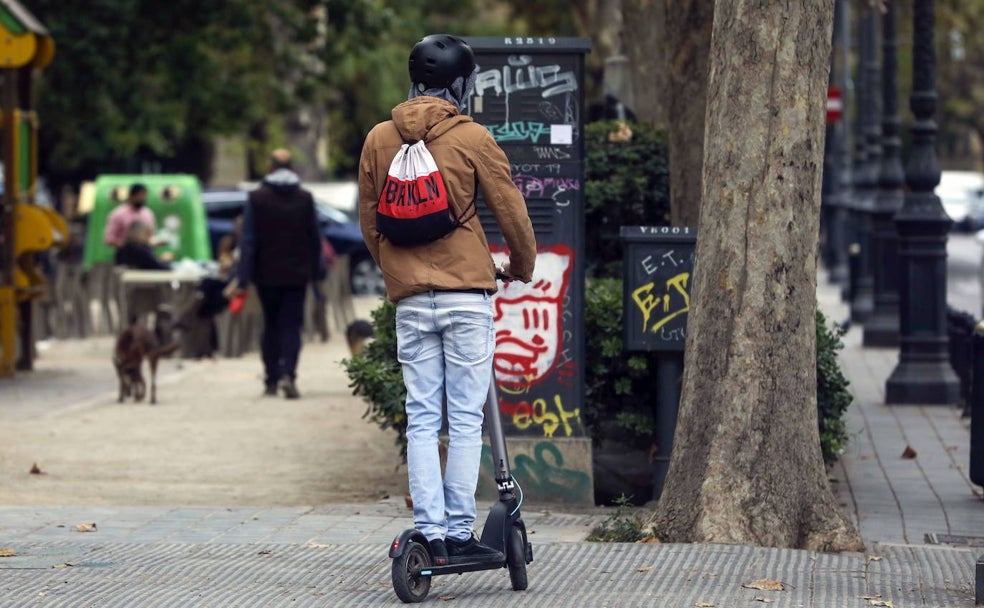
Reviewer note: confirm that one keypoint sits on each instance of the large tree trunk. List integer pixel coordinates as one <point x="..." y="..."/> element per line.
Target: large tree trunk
<point x="746" y="465"/>
<point x="644" y="30"/>
<point x="688" y="40"/>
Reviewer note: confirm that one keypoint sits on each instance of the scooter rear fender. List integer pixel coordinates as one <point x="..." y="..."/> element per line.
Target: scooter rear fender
<point x="400" y="543"/>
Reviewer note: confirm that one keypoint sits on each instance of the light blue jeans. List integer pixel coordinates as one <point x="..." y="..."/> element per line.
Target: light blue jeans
<point x="445" y="342"/>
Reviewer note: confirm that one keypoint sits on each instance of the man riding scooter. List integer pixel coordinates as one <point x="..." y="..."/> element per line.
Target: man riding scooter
<point x="443" y="288"/>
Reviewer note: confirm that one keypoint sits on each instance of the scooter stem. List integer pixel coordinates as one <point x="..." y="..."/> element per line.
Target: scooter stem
<point x="500" y="457"/>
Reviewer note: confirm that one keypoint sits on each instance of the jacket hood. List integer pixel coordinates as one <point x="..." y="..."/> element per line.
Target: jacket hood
<point x="416" y="118"/>
<point x="283" y="180"/>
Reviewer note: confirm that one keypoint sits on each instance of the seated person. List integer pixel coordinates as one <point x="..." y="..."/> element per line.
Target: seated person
<point x="136" y="252"/>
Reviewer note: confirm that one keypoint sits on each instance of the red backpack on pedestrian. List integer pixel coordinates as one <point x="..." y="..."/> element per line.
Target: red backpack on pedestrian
<point x="413" y="207"/>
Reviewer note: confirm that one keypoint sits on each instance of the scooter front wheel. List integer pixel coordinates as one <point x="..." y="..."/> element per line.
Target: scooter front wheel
<point x="409" y="584"/>
<point x="516" y="559"/>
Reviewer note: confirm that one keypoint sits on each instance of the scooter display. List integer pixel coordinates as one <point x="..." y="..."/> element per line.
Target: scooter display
<point x="504" y="530"/>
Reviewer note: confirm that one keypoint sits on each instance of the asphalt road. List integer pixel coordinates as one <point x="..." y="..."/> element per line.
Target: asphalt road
<point x="963" y="267"/>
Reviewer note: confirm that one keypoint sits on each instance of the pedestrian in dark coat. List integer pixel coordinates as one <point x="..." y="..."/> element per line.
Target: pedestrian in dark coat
<point x="280" y="253"/>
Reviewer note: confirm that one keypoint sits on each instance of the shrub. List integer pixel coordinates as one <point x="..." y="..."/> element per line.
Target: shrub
<point x="376" y="376"/>
<point x="622" y="525"/>
<point x="620" y="394"/>
<point x="626" y="183"/>
<point x="833" y="396"/>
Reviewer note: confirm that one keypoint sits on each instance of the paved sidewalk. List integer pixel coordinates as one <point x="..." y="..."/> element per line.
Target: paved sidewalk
<point x="336" y="556"/>
<point x="892" y="498"/>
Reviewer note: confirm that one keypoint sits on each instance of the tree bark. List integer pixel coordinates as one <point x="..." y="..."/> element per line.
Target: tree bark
<point x="644" y="30"/>
<point x="746" y="465"/>
<point x="688" y="40"/>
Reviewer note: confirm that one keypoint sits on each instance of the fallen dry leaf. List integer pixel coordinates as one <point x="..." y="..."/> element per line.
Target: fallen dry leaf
<point x="644" y="569"/>
<point x="7" y="553"/>
<point x="704" y="605"/>
<point x="765" y="585"/>
<point x="408" y="501"/>
<point x="887" y="603"/>
<point x="874" y="558"/>
<point x="447" y="598"/>
<point x="64" y="565"/>
<point x="650" y="540"/>
<point x="908" y="452"/>
<point x="36" y="470"/>
<point x="264" y="552"/>
<point x="764" y="600"/>
<point x="871" y="597"/>
<point x="90" y="527"/>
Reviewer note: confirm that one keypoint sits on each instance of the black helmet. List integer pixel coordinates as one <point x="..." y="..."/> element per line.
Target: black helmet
<point x="437" y="60"/>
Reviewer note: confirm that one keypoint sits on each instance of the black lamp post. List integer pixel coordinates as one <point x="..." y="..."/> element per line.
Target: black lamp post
<point x="882" y="329"/>
<point x="866" y="174"/>
<point x="923" y="374"/>
<point x="837" y="164"/>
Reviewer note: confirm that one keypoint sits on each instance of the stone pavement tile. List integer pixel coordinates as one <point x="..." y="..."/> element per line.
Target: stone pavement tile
<point x="565" y="574"/>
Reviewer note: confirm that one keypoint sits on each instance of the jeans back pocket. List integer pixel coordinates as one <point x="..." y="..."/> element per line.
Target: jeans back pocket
<point x="471" y="334"/>
<point x="409" y="341"/>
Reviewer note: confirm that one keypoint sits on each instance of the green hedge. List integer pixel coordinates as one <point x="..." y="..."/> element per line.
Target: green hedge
<point x="619" y="390"/>
<point x="627" y="183"/>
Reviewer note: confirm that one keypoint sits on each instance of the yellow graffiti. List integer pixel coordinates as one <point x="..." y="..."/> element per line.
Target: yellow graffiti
<point x="526" y="415"/>
<point x="517" y="389"/>
<point x="671" y="307"/>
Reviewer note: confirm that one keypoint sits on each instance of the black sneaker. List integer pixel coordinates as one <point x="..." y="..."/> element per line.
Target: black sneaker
<point x="270" y="390"/>
<point x="439" y="552"/>
<point x="289" y="388"/>
<point x="471" y="551"/>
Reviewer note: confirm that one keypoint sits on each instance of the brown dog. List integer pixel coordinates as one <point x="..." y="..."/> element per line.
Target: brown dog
<point x="135" y="344"/>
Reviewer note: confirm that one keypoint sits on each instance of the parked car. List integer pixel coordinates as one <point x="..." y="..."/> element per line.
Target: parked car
<point x="962" y="195"/>
<point x="223" y="206"/>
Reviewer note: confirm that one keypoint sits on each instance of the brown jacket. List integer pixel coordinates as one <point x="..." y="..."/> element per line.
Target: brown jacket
<point x="468" y="159"/>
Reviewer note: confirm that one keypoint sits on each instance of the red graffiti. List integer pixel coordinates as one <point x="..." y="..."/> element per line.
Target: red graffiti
<point x="529" y="319"/>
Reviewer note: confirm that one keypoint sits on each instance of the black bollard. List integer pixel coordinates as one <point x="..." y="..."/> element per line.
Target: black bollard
<point x="853" y="273"/>
<point x="977" y="408"/>
<point x="923" y="375"/>
<point x="669" y="375"/>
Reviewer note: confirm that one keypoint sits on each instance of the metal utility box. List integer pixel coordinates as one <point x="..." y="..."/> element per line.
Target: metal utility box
<point x="529" y="93"/>
<point x="658" y="277"/>
<point x="659" y="268"/>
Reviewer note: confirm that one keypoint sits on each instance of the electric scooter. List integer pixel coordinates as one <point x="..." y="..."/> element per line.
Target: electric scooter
<point x="504" y="528"/>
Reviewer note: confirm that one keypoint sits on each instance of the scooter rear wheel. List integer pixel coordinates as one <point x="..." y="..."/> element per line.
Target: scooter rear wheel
<point x="409" y="584"/>
<point x="516" y="559"/>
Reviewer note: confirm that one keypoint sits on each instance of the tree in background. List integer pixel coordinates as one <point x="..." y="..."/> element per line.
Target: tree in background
<point x="746" y="465"/>
<point x="150" y="84"/>
<point x="961" y="83"/>
<point x="688" y="42"/>
<point x="645" y="35"/>
<point x="150" y="81"/>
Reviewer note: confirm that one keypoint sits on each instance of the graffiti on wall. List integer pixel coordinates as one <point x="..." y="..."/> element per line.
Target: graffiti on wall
<point x="660" y="304"/>
<point x="545" y="473"/>
<point x="529" y="319"/>
<point x="533" y="361"/>
<point x="659" y="275"/>
<point x="545" y="96"/>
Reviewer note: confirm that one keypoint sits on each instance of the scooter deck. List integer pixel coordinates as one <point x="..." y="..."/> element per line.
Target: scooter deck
<point x="461" y="568"/>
